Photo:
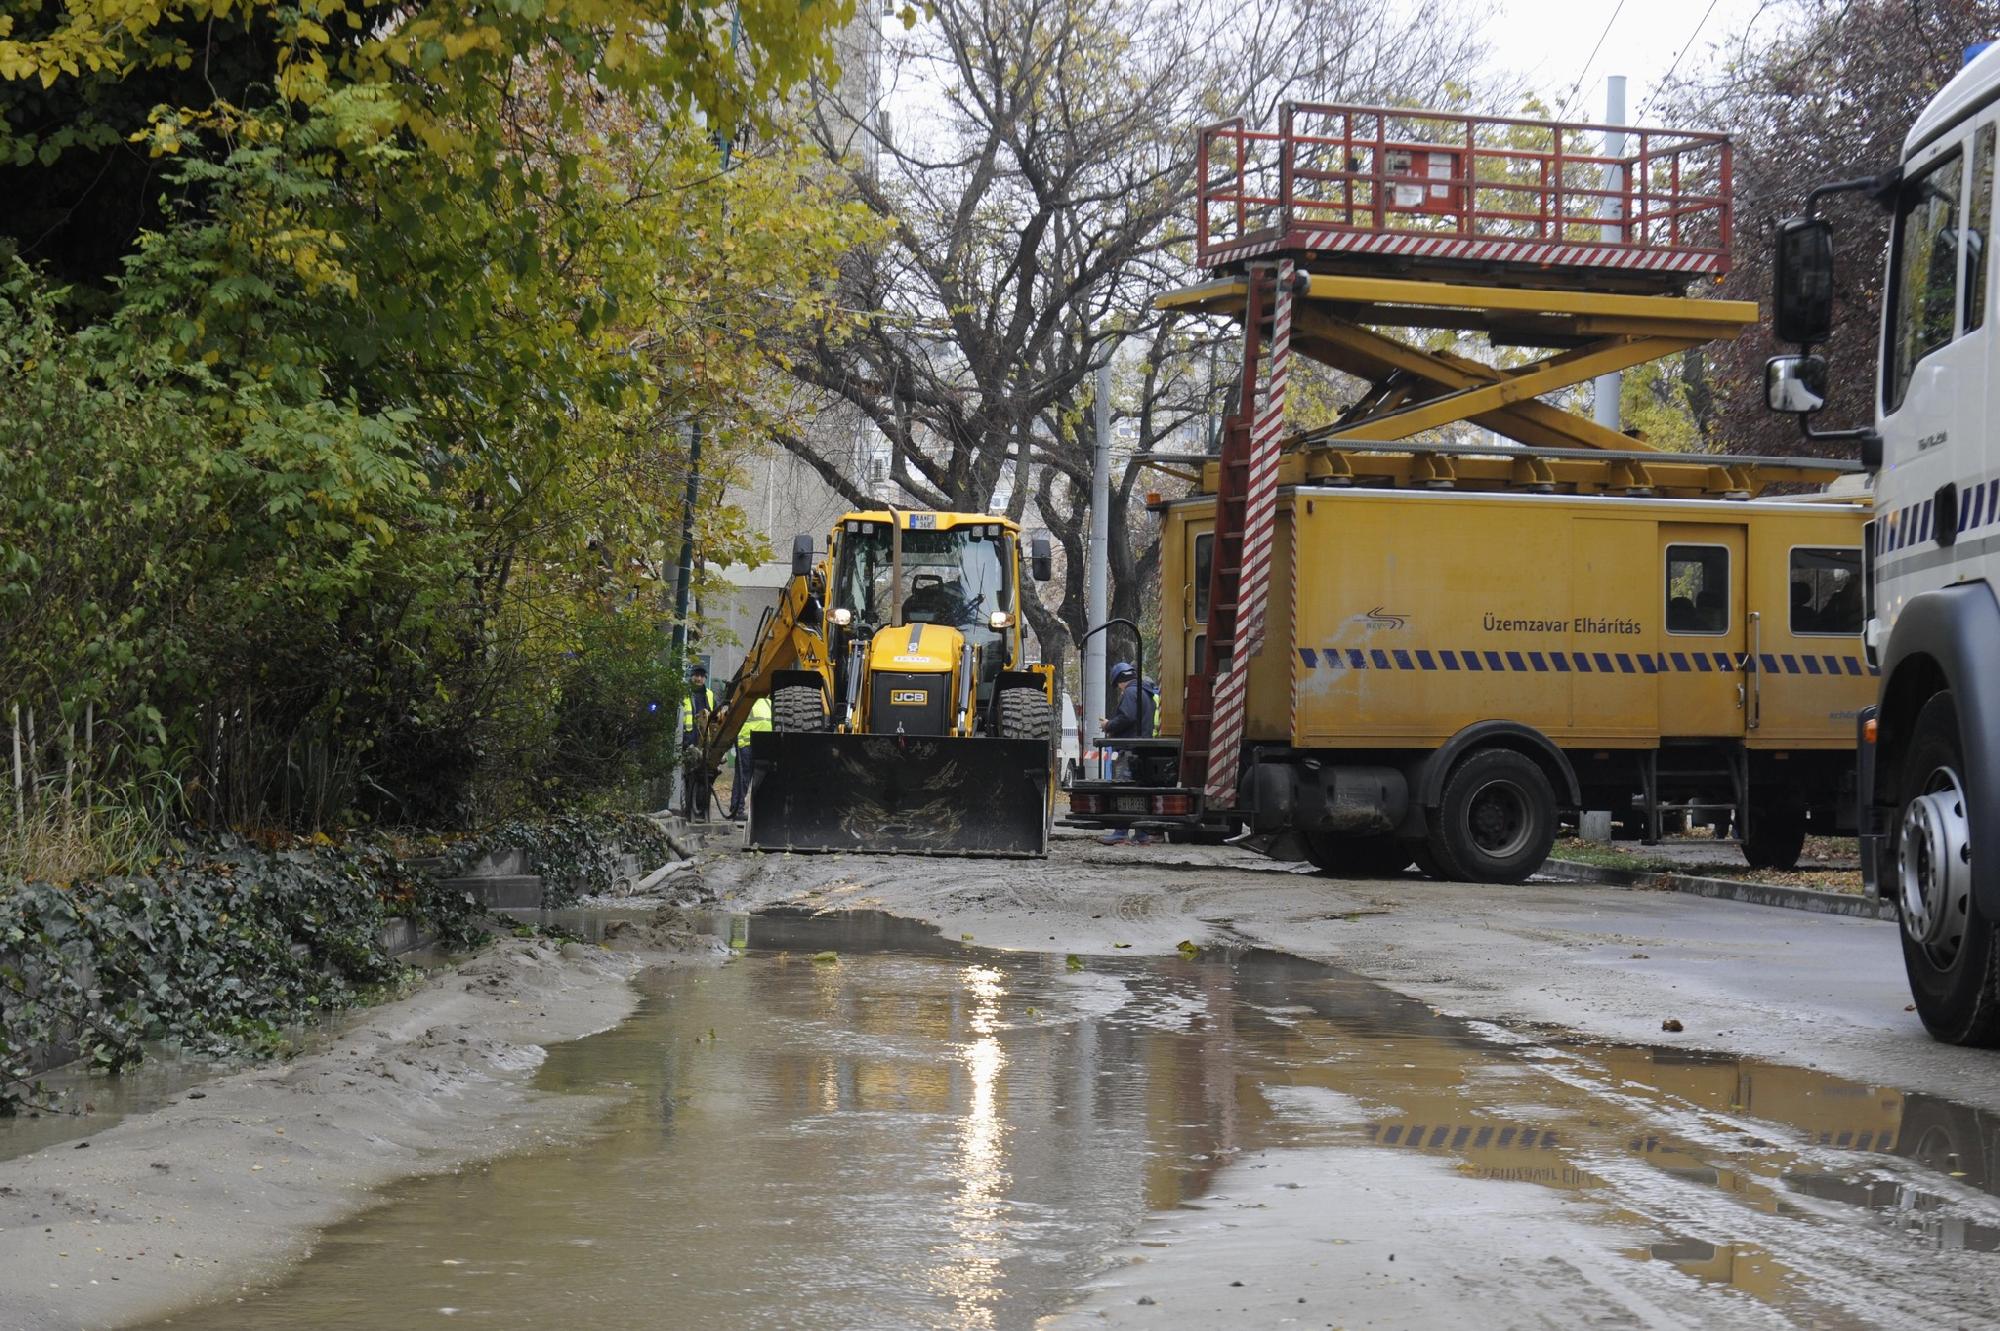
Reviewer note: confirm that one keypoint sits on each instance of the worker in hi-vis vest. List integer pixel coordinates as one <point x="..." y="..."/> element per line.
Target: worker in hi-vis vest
<point x="698" y="702"/>
<point x="760" y="719"/>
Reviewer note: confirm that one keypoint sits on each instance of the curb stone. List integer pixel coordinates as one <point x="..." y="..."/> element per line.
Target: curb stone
<point x="1727" y="889"/>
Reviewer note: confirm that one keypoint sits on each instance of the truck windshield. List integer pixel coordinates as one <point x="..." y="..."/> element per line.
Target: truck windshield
<point x="957" y="577"/>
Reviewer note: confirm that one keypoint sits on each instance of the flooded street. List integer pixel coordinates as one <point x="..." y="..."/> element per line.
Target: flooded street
<point x="858" y="1123"/>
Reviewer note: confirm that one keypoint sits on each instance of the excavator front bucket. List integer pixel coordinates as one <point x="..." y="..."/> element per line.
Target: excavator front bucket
<point x="899" y="794"/>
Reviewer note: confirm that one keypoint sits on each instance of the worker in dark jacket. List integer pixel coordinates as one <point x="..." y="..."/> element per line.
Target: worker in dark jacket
<point x="1131" y="719"/>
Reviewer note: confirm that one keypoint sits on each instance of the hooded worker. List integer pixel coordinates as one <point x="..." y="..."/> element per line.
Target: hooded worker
<point x="1132" y="718"/>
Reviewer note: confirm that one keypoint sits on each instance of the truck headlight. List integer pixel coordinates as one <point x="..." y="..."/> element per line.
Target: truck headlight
<point x="999" y="619"/>
<point x="843" y="617"/>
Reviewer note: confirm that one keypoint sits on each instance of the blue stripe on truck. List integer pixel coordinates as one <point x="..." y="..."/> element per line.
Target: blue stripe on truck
<point x="1602" y="663"/>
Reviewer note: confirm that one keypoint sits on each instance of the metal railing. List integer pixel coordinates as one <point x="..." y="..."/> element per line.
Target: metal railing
<point x="1428" y="184"/>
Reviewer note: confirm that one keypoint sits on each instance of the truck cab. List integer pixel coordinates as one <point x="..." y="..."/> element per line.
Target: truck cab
<point x="1930" y="748"/>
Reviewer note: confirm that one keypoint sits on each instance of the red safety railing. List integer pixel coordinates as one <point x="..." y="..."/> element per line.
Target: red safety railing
<point x="1482" y="189"/>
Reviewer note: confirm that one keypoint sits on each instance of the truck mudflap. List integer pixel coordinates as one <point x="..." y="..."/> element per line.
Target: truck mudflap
<point x="899" y="794"/>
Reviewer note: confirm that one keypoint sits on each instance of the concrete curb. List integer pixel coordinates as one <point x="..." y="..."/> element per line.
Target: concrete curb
<point x="1726" y="889"/>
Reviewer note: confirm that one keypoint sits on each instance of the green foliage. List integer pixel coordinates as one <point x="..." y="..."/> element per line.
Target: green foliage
<point x="576" y="854"/>
<point x="354" y="493"/>
<point x="1655" y="403"/>
<point x="214" y="950"/>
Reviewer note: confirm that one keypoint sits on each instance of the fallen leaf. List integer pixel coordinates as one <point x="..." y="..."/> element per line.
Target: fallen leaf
<point x="1121" y="945"/>
<point x="1672" y="1024"/>
<point x="1074" y="962"/>
<point x="825" y="958"/>
<point x="1187" y="949"/>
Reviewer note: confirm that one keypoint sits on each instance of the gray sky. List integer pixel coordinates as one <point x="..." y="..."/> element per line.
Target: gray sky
<point x="1548" y="44"/>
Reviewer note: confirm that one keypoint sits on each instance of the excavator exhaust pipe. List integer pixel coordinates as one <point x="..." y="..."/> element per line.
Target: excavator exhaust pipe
<point x="899" y="794"/>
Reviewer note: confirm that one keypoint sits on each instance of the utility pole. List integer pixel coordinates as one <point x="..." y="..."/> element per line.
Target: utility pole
<point x="1608" y="387"/>
<point x="685" y="566"/>
<point x="1097" y="566"/>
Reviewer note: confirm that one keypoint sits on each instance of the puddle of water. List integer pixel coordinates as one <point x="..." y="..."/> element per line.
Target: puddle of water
<point x="915" y="1134"/>
<point x="85" y="1102"/>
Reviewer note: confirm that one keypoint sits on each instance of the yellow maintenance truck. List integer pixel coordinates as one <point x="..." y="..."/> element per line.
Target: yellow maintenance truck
<point x="905" y="715"/>
<point x="1381" y="645"/>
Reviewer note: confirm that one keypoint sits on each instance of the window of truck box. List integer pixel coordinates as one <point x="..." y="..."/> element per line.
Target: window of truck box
<point x="1925" y="275"/>
<point x="1204" y="546"/>
<point x="1698" y="589"/>
<point x="1826" y="591"/>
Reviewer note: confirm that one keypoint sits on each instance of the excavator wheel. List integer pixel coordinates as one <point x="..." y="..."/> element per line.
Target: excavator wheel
<point x="798" y="707"/>
<point x="1024" y="714"/>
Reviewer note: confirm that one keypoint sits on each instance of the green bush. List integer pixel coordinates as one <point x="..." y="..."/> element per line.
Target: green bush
<point x="213" y="950"/>
<point x="571" y="852"/>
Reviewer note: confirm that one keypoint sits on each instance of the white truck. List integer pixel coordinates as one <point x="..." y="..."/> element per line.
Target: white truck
<point x="1930" y="747"/>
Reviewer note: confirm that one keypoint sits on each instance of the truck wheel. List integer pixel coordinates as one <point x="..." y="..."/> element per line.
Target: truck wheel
<point x="1428" y="864"/>
<point x="798" y="707"/>
<point x="1024" y="714"/>
<point x="1777" y="835"/>
<point x="1497" y="819"/>
<point x="1356" y="856"/>
<point x="1948" y="946"/>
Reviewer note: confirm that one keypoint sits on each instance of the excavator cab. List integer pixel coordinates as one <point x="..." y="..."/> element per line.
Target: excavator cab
<point x="905" y="717"/>
<point x="955" y="588"/>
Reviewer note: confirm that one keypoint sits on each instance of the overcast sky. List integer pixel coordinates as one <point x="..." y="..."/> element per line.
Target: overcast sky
<point x="1548" y="44"/>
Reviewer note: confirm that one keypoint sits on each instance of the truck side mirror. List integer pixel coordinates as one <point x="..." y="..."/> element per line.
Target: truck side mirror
<point x="1802" y="281"/>
<point x="1795" y="385"/>
<point x="802" y="555"/>
<point x="1041" y="562"/>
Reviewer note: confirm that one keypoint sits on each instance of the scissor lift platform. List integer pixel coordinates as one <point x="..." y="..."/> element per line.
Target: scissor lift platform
<point x="1389" y="192"/>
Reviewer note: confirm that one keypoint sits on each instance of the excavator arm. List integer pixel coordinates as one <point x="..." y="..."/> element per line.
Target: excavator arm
<point x="789" y="637"/>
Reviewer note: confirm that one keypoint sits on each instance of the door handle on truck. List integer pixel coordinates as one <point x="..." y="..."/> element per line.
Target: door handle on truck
<point x="1753" y="687"/>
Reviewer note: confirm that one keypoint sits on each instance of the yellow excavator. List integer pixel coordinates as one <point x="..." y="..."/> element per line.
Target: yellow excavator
<point x="904" y="715"/>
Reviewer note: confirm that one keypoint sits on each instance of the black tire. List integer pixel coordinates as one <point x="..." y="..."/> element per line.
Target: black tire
<point x="1428" y="864"/>
<point x="1777" y="835"/>
<point x="1025" y="714"/>
<point x="1955" y="976"/>
<point x="1357" y="856"/>
<point x="1496" y="820"/>
<point x="798" y="708"/>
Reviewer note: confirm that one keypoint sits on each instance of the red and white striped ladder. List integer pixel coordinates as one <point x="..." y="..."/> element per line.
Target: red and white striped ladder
<point x="1246" y="518"/>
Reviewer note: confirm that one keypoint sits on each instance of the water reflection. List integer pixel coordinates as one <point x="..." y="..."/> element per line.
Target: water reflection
<point x="915" y="1134"/>
<point x="971" y="1276"/>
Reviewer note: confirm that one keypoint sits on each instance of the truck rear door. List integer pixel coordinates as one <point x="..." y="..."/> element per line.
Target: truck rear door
<point x="1699" y="665"/>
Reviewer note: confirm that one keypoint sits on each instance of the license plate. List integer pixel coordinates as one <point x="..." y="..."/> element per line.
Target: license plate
<point x="1131" y="804"/>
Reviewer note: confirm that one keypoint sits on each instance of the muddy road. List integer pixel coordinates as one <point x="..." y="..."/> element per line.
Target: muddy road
<point x="1157" y="1087"/>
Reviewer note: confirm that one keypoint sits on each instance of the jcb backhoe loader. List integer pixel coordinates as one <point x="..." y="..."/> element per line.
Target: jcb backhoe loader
<point x="904" y="717"/>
